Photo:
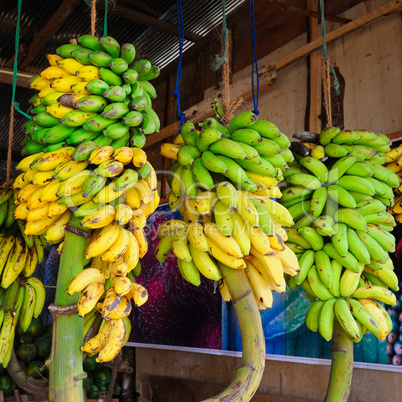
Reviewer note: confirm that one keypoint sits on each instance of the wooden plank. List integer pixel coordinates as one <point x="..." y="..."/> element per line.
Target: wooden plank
<point x="149" y="21"/>
<point x="53" y="25"/>
<point x="391" y="7"/>
<point x="6" y="77"/>
<point x="314" y="73"/>
<point x="395" y="136"/>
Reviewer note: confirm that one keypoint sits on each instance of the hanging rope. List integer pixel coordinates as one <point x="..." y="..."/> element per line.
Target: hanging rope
<point x="256" y="94"/>
<point x="326" y="82"/>
<point x="324" y="49"/>
<point x="105" y="20"/>
<point x="176" y="92"/>
<point x="14" y="105"/>
<point x="221" y="60"/>
<point x="93" y="17"/>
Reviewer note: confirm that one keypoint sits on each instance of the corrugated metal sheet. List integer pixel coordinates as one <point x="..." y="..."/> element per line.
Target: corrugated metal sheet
<point x="160" y="48"/>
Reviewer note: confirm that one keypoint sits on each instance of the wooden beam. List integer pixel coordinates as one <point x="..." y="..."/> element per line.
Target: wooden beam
<point x="395" y="136"/>
<point x="314" y="73"/>
<point x="52" y="26"/>
<point x="6" y="77"/>
<point x="196" y="112"/>
<point x="144" y="19"/>
<point x="391" y="7"/>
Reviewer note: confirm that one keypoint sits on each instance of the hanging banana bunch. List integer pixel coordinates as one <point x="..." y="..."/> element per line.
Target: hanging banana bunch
<point x="83" y="157"/>
<point x="342" y="232"/>
<point x="22" y="296"/>
<point x="223" y="182"/>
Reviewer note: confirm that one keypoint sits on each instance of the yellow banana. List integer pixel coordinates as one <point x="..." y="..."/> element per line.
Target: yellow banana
<point x="85" y="278"/>
<point x="118" y="248"/>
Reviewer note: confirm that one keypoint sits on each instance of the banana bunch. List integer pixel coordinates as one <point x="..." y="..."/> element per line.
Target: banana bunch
<point x="249" y="153"/>
<point x="19" y="303"/>
<point x="393" y="162"/>
<point x="336" y="143"/>
<point x="20" y="253"/>
<point x="231" y="227"/>
<point x="342" y="233"/>
<point x="93" y="91"/>
<point x="108" y="289"/>
<point x="99" y="184"/>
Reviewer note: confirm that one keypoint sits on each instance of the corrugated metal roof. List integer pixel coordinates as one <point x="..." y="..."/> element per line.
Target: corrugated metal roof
<point x="159" y="47"/>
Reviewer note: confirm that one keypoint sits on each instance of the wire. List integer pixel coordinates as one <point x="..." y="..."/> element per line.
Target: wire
<point x="105" y="20"/>
<point x="176" y="92"/>
<point x="256" y="93"/>
<point x="15" y="68"/>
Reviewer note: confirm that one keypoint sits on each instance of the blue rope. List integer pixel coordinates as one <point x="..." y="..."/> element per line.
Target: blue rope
<point x="324" y="49"/>
<point x="105" y="20"/>
<point x="221" y="60"/>
<point x="15" y="68"/>
<point x="176" y="92"/>
<point x="256" y="95"/>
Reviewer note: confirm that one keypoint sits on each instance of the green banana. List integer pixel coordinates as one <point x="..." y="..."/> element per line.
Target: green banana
<point x="324" y="268"/>
<point x="265" y="128"/>
<point x="97" y="87"/>
<point x="349" y="261"/>
<point x="357" y="247"/>
<point x="213" y="163"/>
<point x="318" y="201"/>
<point x="319" y="289"/>
<point x="242" y="120"/>
<point x="327" y="135"/>
<point x="201" y="174"/>
<point x="237" y="175"/>
<point x="316" y="167"/>
<point x="313" y="238"/>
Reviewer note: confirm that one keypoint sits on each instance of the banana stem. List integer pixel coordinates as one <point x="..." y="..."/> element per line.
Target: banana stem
<point x="66" y="369"/>
<point x="341" y="366"/>
<point x="248" y="376"/>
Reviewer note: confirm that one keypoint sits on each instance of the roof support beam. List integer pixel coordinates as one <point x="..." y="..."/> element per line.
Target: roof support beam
<point x="6" y="77"/>
<point x="152" y="22"/>
<point x="61" y="15"/>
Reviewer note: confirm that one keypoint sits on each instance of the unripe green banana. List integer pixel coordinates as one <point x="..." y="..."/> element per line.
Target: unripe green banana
<point x="110" y="45"/>
<point x="127" y="52"/>
<point x="92" y="103"/>
<point x="202" y="175"/>
<point x="110" y="77"/>
<point x="89" y="41"/>
<point x="97" y="87"/>
<point x="242" y="120"/>
<point x="81" y="135"/>
<point x="327" y="135"/>
<point x="265" y="128"/>
<point x="118" y="65"/>
<point x="116" y="131"/>
<point x="100" y="59"/>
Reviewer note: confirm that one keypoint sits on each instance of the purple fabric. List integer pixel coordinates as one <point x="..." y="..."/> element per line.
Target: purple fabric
<point x="176" y="313"/>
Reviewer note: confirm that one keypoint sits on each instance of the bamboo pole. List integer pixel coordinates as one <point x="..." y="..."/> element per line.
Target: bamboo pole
<point x="66" y="371"/>
<point x="341" y="366"/>
<point x="248" y="376"/>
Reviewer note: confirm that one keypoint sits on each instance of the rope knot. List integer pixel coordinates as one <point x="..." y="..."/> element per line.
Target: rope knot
<point x="256" y="112"/>
<point x="177" y="94"/>
<point x="182" y="118"/>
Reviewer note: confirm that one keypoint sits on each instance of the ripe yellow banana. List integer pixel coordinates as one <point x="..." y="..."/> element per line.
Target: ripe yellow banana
<point x="85" y="278"/>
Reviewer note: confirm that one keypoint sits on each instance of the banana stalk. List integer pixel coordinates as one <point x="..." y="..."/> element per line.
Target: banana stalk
<point x="248" y="376"/>
<point x="66" y="371"/>
<point x="341" y="366"/>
